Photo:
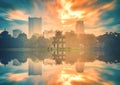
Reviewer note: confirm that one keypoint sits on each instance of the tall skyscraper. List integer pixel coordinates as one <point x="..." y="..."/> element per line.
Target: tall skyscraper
<point x="35" y="25"/>
<point x="80" y="27"/>
<point x="16" y="33"/>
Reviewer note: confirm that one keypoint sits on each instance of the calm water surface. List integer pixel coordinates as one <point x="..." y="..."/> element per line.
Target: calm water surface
<point x="68" y="68"/>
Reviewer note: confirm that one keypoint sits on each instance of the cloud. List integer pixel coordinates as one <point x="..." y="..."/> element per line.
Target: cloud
<point x="63" y="14"/>
<point x="17" y="15"/>
<point x="67" y="12"/>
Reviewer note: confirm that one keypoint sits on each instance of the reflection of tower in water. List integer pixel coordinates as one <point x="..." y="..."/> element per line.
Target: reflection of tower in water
<point x="58" y="47"/>
<point x="79" y="66"/>
<point x="35" y="68"/>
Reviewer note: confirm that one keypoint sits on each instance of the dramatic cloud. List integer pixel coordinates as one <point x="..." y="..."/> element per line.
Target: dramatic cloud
<point x="17" y="15"/>
<point x="98" y="15"/>
<point x="89" y="11"/>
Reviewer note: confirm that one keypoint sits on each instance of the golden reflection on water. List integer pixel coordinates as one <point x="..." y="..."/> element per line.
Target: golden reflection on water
<point x="66" y="77"/>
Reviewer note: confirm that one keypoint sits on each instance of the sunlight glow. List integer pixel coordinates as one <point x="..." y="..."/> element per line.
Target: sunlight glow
<point x="66" y="13"/>
<point x="66" y="78"/>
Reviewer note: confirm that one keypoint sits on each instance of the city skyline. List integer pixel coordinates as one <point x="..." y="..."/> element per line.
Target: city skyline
<point x="98" y="16"/>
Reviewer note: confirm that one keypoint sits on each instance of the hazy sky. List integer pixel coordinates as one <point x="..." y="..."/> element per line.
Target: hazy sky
<point x="99" y="16"/>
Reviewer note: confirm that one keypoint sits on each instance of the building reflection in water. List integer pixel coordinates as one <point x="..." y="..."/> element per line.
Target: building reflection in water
<point x="35" y="68"/>
<point x="40" y="59"/>
<point x="79" y="66"/>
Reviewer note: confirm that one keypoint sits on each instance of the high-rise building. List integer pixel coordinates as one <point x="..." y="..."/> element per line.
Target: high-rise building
<point x="16" y="33"/>
<point x="35" y="25"/>
<point x="80" y="27"/>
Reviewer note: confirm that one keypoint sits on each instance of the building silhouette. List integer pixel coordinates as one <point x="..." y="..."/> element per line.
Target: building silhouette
<point x="16" y="33"/>
<point x="35" y="25"/>
<point x="80" y="27"/>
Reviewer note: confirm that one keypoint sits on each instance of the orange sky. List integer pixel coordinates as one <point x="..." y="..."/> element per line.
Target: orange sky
<point x="63" y="14"/>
